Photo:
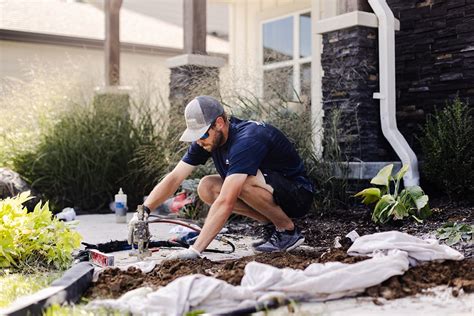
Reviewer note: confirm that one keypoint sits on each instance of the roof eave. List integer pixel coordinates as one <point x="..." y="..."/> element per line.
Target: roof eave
<point x="89" y="43"/>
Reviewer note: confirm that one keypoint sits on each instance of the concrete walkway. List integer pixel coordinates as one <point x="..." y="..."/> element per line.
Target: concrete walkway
<point x="103" y="228"/>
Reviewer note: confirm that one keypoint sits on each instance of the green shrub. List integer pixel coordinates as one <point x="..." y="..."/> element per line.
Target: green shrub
<point x="34" y="239"/>
<point x="447" y="142"/>
<point x="91" y="152"/>
<point x="29" y="107"/>
<point x="394" y="205"/>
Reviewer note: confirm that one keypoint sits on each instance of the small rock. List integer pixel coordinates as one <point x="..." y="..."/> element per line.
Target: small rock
<point x="11" y="184"/>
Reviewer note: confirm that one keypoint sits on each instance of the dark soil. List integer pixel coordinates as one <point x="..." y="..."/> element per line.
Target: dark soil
<point x="320" y="232"/>
<point x="112" y="283"/>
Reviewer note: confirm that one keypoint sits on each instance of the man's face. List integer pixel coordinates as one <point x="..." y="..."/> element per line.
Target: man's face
<point x="213" y="141"/>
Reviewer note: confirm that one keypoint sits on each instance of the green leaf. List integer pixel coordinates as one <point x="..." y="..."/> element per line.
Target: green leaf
<point x="383" y="176"/>
<point x="399" y="211"/>
<point x="466" y="228"/>
<point x="453" y="239"/>
<point x="382" y="208"/>
<point x="401" y="172"/>
<point x="417" y="196"/>
<point x="444" y="234"/>
<point x="370" y="195"/>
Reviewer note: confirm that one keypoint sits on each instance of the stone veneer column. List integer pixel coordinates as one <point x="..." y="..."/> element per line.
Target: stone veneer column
<point x="350" y="63"/>
<point x="349" y="59"/>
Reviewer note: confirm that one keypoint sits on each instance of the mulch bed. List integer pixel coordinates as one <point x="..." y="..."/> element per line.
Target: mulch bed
<point x="320" y="232"/>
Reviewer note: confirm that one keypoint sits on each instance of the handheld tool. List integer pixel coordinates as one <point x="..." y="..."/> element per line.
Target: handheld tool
<point x="139" y="234"/>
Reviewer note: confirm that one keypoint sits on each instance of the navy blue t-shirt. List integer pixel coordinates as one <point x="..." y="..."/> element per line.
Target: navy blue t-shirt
<point x="251" y="146"/>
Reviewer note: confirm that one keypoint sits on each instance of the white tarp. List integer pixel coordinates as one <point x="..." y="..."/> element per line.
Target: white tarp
<point x="417" y="249"/>
<point x="332" y="280"/>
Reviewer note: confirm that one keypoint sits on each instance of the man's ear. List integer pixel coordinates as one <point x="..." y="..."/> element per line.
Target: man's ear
<point x="220" y="122"/>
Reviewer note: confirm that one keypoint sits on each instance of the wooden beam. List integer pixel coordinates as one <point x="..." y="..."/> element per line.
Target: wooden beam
<point x="112" y="42"/>
<point x="345" y="6"/>
<point x="194" y="26"/>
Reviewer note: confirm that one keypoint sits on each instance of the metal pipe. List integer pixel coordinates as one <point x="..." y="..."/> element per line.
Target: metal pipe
<point x="387" y="94"/>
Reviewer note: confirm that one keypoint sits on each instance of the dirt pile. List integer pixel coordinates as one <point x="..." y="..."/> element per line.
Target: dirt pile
<point x="112" y="283"/>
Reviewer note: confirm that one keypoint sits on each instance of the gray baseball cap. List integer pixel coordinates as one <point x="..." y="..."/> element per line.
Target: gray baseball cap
<point x="199" y="114"/>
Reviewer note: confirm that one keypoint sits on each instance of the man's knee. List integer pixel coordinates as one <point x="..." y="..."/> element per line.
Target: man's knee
<point x="209" y="188"/>
<point x="252" y="183"/>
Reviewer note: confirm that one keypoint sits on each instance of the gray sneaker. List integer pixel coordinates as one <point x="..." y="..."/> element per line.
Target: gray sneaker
<point x="282" y="241"/>
<point x="268" y="231"/>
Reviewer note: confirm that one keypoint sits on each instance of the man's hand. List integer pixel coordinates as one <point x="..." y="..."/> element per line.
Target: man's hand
<point x="184" y="254"/>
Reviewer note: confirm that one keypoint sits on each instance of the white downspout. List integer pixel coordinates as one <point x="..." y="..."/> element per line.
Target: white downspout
<point x="387" y="91"/>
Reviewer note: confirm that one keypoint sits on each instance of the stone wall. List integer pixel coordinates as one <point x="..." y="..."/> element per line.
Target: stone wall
<point x="434" y="63"/>
<point x="350" y="64"/>
<point x="434" y="58"/>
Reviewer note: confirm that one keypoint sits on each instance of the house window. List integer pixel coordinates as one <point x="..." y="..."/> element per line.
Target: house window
<point x="286" y="54"/>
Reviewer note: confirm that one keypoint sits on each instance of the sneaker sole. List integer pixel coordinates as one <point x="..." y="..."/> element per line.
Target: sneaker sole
<point x="296" y="244"/>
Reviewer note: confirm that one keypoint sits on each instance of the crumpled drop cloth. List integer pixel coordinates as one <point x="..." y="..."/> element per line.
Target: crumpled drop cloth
<point x="390" y="253"/>
<point x="325" y="281"/>
<point x="417" y="249"/>
<point x="180" y="296"/>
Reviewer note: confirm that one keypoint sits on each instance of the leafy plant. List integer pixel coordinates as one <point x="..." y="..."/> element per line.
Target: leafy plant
<point x="455" y="232"/>
<point x="410" y="202"/>
<point x="447" y="142"/>
<point x="34" y="239"/>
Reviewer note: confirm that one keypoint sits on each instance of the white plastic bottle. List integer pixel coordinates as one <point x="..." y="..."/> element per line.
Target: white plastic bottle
<point x="121" y="207"/>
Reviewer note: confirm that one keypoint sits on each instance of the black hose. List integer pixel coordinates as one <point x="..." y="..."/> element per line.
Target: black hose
<point x="123" y="244"/>
<point x="224" y="240"/>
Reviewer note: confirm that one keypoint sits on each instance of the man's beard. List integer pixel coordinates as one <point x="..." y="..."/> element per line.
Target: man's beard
<point x="216" y="143"/>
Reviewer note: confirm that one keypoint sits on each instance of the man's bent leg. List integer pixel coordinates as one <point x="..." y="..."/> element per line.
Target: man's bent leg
<point x="259" y="195"/>
<point x="256" y="201"/>
<point x="209" y="189"/>
<point x="286" y="236"/>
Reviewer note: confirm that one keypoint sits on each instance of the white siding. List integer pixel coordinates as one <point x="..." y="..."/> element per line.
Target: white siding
<point x="17" y="59"/>
<point x="245" y="63"/>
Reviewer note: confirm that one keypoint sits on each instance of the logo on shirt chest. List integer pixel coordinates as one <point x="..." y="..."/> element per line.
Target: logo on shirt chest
<point x="227" y="161"/>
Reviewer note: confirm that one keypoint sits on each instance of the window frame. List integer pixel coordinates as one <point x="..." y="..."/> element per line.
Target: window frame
<point x="295" y="62"/>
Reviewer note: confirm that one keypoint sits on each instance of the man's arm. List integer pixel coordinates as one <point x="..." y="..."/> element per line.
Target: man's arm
<point x="220" y="210"/>
<point x="168" y="185"/>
